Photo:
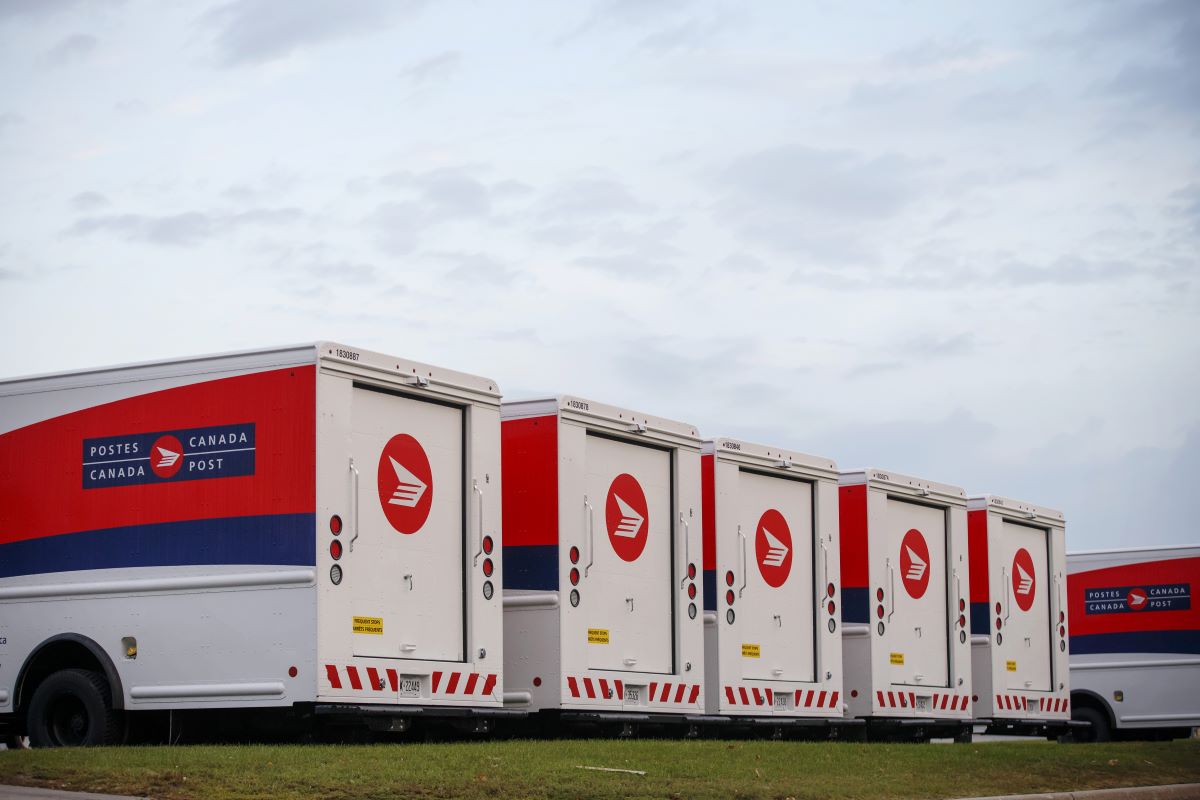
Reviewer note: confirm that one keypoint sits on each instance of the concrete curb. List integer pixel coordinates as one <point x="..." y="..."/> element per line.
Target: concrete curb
<point x="1175" y="791"/>
<point x="30" y="793"/>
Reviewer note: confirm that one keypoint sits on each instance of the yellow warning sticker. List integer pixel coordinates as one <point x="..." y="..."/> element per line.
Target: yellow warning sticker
<point x="898" y="659"/>
<point x="371" y="625"/>
<point x="1011" y="666"/>
<point x="751" y="651"/>
<point x="597" y="635"/>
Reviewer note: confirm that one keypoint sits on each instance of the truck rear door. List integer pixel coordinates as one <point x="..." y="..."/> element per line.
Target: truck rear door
<point x="916" y="537"/>
<point x="629" y="491"/>
<point x="408" y="543"/>
<point x="1026" y="632"/>
<point x="775" y="610"/>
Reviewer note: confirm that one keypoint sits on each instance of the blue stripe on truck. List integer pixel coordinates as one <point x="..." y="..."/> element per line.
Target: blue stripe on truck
<point x="287" y="539"/>
<point x="1183" y="641"/>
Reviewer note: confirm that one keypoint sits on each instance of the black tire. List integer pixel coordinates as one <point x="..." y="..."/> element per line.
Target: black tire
<point x="1100" y="730"/>
<point x="73" y="708"/>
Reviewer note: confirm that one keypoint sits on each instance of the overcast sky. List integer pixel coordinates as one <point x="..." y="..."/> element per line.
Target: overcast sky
<point x="957" y="240"/>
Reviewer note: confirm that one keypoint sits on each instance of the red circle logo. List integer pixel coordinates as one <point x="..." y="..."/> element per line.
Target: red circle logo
<point x="627" y="517"/>
<point x="166" y="456"/>
<point x="1136" y="599"/>
<point x="405" y="483"/>
<point x="773" y="548"/>
<point x="914" y="563"/>
<point x="1024" y="582"/>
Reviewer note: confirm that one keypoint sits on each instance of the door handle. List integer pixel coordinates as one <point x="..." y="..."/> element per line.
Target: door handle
<point x="891" y="590"/>
<point x="479" y="551"/>
<point x="687" y="554"/>
<point x="1007" y="593"/>
<point x="354" y="500"/>
<point x="742" y="567"/>
<point x="591" y="526"/>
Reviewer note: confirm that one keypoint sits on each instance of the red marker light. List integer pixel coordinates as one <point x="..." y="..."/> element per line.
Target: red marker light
<point x="487" y="568"/>
<point x="692" y="571"/>
<point x="335" y="549"/>
<point x="574" y="555"/>
<point x="487" y="545"/>
<point x="691" y="591"/>
<point x="729" y="597"/>
<point x="879" y="594"/>
<point x="335" y="524"/>
<point x="574" y="576"/>
<point x="831" y="607"/>
<point x="729" y="578"/>
<point x="830" y="589"/>
<point x="879" y="611"/>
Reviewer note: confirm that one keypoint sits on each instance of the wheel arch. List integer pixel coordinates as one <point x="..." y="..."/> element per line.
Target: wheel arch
<point x="1086" y="698"/>
<point x="64" y="651"/>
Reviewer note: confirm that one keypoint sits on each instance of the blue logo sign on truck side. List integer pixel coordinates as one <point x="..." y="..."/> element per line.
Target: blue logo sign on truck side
<point x="221" y="451"/>
<point x="1151" y="597"/>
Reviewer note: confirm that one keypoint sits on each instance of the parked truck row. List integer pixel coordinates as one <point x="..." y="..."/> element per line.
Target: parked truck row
<point x="320" y="535"/>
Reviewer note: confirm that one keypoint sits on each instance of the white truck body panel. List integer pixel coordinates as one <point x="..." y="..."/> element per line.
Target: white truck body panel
<point x="215" y="557"/>
<point x="771" y="548"/>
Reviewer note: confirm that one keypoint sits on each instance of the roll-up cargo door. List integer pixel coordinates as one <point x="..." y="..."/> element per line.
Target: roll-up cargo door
<point x="405" y="567"/>
<point x="916" y="621"/>
<point x="775" y="609"/>
<point x="1026" y="621"/>
<point x="627" y="588"/>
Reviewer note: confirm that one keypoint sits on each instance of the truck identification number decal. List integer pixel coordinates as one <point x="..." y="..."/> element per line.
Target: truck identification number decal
<point x="597" y="635"/>
<point x="219" y="451"/>
<point x="371" y="625"/>
<point x="751" y="651"/>
<point x="898" y="659"/>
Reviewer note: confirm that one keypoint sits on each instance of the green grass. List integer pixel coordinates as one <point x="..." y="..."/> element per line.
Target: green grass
<point x="548" y="769"/>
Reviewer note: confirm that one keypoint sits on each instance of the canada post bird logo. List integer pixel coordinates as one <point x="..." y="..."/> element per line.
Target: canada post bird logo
<point x="914" y="563"/>
<point x="627" y="517"/>
<point x="1024" y="583"/>
<point x="405" y="483"/>
<point x="773" y="548"/>
<point x="1136" y="599"/>
<point x="165" y="456"/>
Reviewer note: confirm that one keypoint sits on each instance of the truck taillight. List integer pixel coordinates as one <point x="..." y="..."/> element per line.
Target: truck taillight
<point x="729" y="578"/>
<point x="962" y="604"/>
<point x="999" y="623"/>
<point x="335" y="524"/>
<point x="831" y="607"/>
<point x="335" y="574"/>
<point x="487" y="567"/>
<point x="335" y="549"/>
<point x="488" y="590"/>
<point x="830" y="589"/>
<point x="879" y="611"/>
<point x="729" y="597"/>
<point x="574" y="555"/>
<point x="692" y="571"/>
<point x="487" y="545"/>
<point x="574" y="576"/>
<point x="691" y="591"/>
<point x="879" y="594"/>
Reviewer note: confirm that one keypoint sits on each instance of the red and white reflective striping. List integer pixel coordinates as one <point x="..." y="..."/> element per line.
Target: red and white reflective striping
<point x="754" y="696"/>
<point x="939" y="702"/>
<point x="447" y="684"/>
<point x="605" y="689"/>
<point x="1054" y="705"/>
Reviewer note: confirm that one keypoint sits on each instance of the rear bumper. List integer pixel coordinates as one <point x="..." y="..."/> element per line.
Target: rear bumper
<point x="1032" y="727"/>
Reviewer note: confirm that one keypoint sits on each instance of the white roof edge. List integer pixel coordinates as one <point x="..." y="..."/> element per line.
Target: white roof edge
<point x="1154" y="548"/>
<point x="1002" y="504"/>
<point x="160" y="362"/>
<point x="397" y="365"/>
<point x="900" y="481"/>
<point x="582" y="407"/>
<point x="769" y="452"/>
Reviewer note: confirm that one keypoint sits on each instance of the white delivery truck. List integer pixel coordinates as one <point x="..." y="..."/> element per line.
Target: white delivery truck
<point x="773" y="650"/>
<point x="1018" y="616"/>
<point x="602" y="552"/>
<point x="310" y="529"/>
<point x="905" y="583"/>
<point x="1135" y="641"/>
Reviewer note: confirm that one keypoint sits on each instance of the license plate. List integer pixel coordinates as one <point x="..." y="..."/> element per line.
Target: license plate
<point x="922" y="704"/>
<point x="633" y="694"/>
<point x="410" y="687"/>
<point x="781" y="700"/>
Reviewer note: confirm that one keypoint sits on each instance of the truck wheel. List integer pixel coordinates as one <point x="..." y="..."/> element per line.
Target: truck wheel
<point x="1100" y="730"/>
<point x="73" y="708"/>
